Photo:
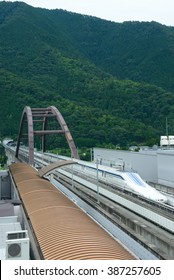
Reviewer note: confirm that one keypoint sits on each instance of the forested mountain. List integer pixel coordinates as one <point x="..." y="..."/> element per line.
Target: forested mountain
<point x="112" y="82"/>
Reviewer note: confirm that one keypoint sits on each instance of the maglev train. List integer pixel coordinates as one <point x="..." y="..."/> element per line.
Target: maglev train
<point x="134" y="182"/>
<point x="130" y="181"/>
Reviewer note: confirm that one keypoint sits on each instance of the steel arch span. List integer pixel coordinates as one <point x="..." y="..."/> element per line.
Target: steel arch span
<point x="41" y="115"/>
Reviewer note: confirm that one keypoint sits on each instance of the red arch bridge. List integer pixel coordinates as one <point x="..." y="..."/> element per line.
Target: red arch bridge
<point x="41" y="116"/>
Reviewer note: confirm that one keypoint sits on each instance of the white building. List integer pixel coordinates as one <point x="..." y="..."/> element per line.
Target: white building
<point x="166" y="141"/>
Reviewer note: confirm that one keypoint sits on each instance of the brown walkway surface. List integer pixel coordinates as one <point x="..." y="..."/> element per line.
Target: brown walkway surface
<point x="62" y="229"/>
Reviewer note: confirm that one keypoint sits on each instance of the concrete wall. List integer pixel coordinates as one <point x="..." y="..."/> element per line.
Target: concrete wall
<point x="165" y="163"/>
<point x="5" y="186"/>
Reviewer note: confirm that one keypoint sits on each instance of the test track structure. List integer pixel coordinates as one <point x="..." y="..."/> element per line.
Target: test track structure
<point x="41" y="115"/>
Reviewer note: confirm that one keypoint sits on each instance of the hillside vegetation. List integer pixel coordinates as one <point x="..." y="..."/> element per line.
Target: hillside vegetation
<point x="112" y="82"/>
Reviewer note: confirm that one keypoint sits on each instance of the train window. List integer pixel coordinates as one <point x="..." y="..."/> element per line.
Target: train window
<point x="118" y="176"/>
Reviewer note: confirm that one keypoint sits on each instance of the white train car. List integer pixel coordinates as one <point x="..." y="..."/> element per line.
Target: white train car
<point x="127" y="180"/>
<point x="130" y="181"/>
<point x="135" y="183"/>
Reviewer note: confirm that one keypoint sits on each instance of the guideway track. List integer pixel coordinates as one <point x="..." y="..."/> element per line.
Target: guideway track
<point x="163" y="220"/>
<point x="139" y="228"/>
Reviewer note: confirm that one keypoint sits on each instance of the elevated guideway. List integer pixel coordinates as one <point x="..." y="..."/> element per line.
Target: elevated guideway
<point x="143" y="226"/>
<point x="149" y="224"/>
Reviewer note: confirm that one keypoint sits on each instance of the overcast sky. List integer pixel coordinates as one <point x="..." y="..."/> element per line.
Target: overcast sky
<point x="116" y="10"/>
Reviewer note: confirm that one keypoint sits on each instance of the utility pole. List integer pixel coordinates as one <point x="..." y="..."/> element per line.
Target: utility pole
<point x="167" y="132"/>
<point x="97" y="182"/>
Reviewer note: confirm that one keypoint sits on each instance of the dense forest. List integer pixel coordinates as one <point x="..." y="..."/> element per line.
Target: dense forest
<point x="112" y="82"/>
